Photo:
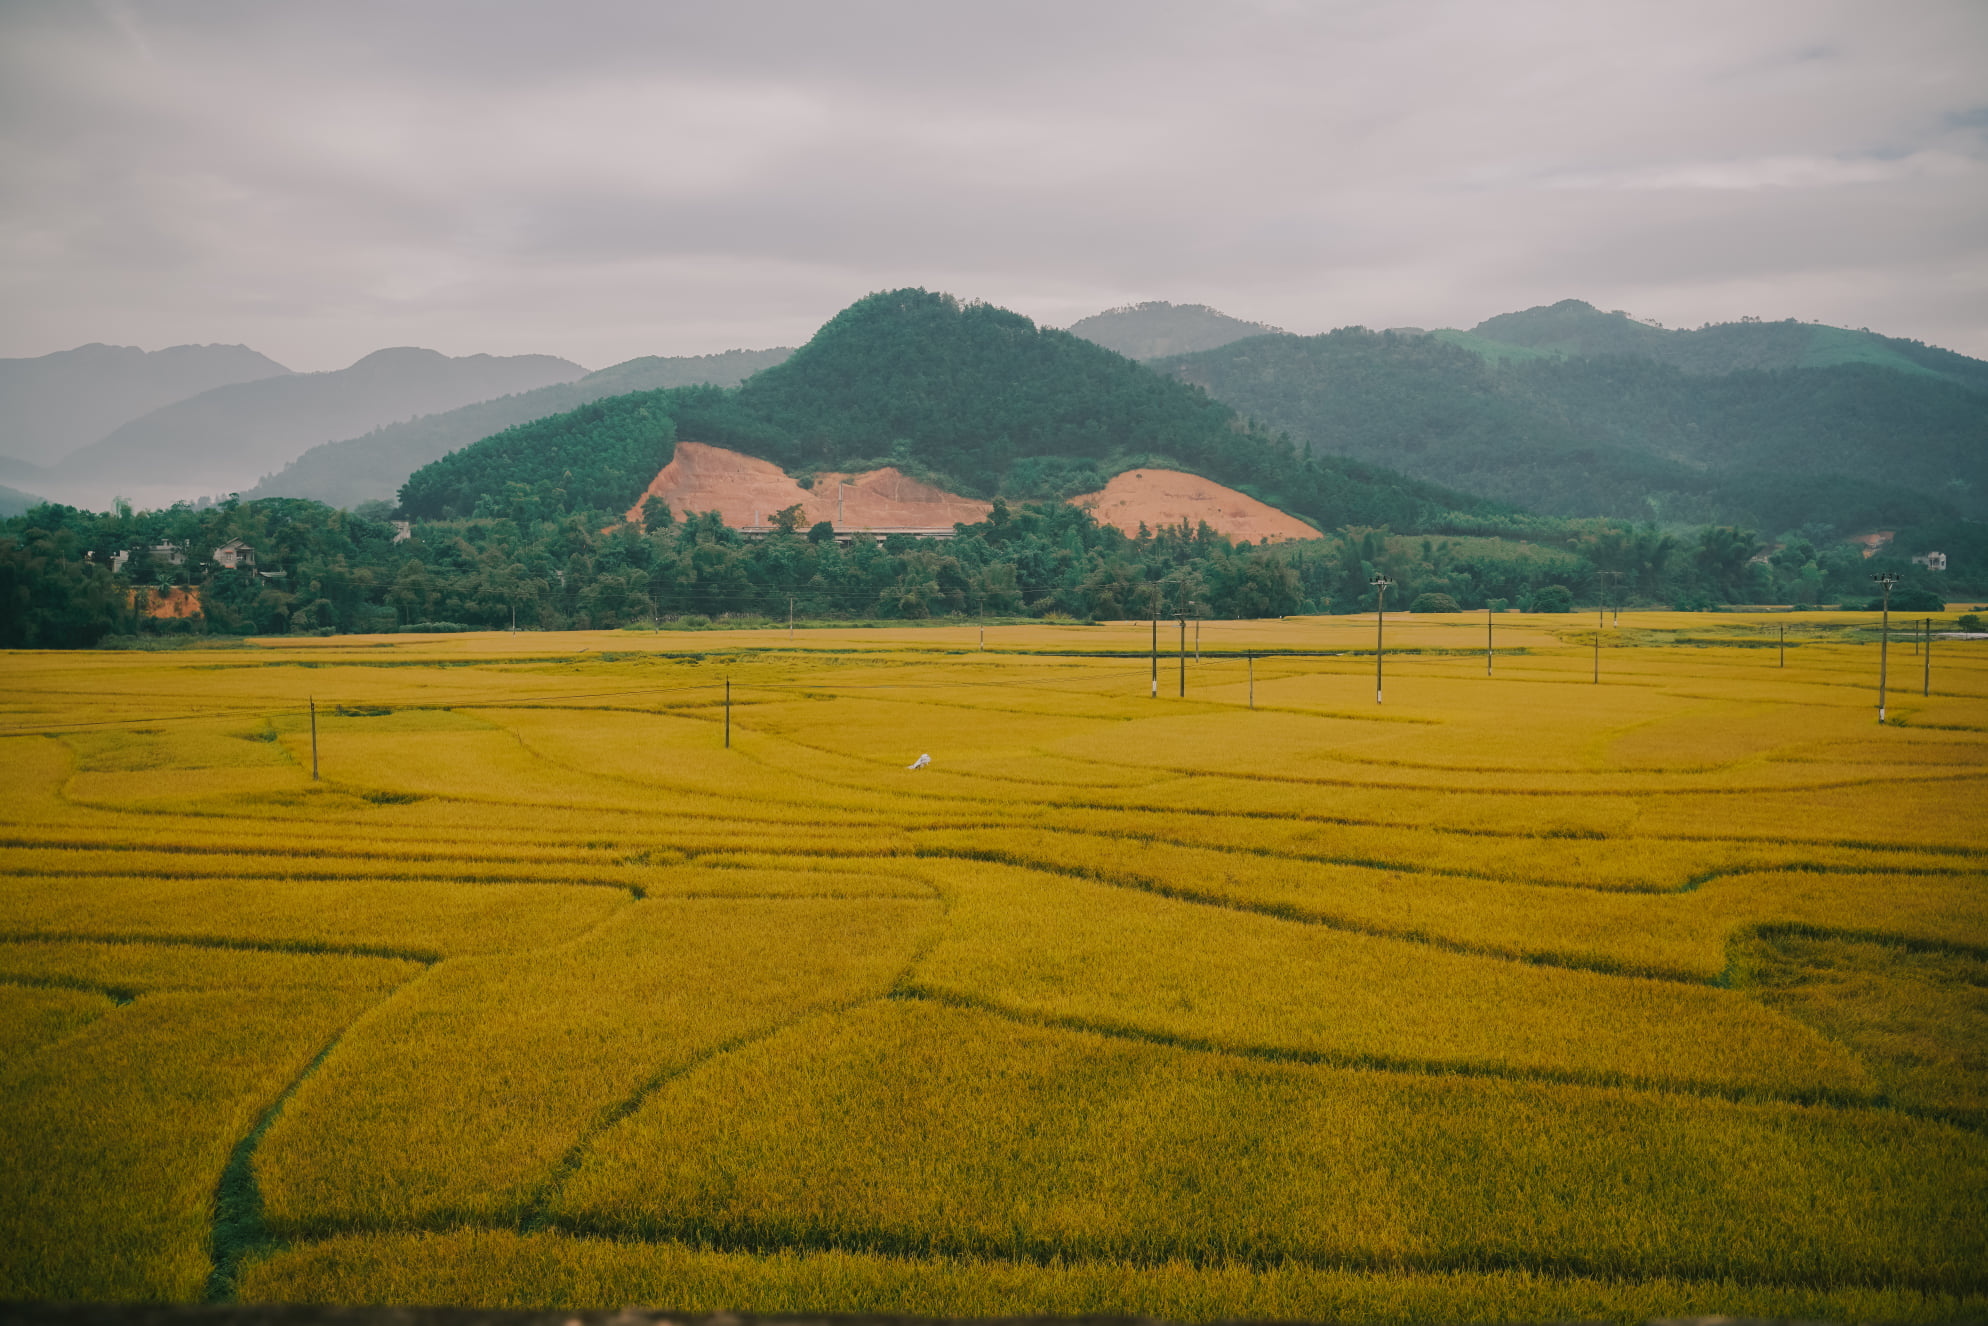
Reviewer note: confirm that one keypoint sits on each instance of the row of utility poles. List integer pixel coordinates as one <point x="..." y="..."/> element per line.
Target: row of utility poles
<point x="1381" y="585"/>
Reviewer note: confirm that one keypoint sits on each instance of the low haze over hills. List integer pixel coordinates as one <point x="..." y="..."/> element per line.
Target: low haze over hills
<point x="220" y="439"/>
<point x="373" y="467"/>
<point x="1157" y="328"/>
<point x="54" y="404"/>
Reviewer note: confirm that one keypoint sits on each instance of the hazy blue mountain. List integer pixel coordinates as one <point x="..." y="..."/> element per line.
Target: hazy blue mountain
<point x="1577" y="329"/>
<point x="19" y="471"/>
<point x="1157" y="328"/>
<point x="51" y="405"/>
<point x="222" y="439"/>
<point x="13" y="501"/>
<point x="1856" y="443"/>
<point x="376" y="465"/>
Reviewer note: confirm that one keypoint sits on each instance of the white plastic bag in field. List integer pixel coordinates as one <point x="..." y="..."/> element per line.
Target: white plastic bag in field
<point x="920" y="762"/>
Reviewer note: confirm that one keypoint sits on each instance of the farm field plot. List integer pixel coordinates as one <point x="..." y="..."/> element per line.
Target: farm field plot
<point x="530" y="970"/>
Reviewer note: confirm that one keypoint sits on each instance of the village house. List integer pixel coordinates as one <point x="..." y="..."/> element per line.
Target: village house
<point x="234" y="554"/>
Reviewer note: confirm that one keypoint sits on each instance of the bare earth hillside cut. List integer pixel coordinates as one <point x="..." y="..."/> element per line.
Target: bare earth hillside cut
<point x="1156" y="498"/>
<point x="747" y="491"/>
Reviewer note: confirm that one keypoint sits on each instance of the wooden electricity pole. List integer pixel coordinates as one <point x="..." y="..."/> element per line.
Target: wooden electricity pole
<point x="728" y="713"/>
<point x="314" y="738"/>
<point x="1382" y="584"/>
<point x="1885" y="582"/>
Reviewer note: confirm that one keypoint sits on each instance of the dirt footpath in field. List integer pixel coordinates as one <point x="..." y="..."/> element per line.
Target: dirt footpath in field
<point x="1168" y="497"/>
<point x="746" y="492"/>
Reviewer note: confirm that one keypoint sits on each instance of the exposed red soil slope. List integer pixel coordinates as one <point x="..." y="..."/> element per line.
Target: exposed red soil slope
<point x="174" y="603"/>
<point x="1168" y="497"/>
<point x="746" y="493"/>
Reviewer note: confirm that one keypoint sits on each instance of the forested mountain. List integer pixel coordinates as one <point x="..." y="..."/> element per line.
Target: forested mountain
<point x="51" y="405"/>
<point x="1156" y="329"/>
<point x="975" y="398"/>
<point x="1846" y="446"/>
<point x="1574" y="328"/>
<point x="373" y="467"/>
<point x="222" y="438"/>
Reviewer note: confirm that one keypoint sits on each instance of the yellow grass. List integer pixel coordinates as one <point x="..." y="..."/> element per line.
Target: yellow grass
<point x="459" y="1099"/>
<point x="1516" y="997"/>
<point x="500" y="1268"/>
<point x="913" y="1128"/>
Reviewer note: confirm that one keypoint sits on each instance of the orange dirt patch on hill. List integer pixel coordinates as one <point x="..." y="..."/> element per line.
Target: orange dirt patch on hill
<point x="171" y="605"/>
<point x="746" y="492"/>
<point x="1157" y="498"/>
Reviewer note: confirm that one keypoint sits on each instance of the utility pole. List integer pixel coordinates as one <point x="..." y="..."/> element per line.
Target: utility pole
<point x="1926" y="686"/>
<point x="983" y="623"/>
<point x="1487" y="637"/>
<point x="314" y="738"/>
<point x="1784" y="644"/>
<point x="1197" y="639"/>
<point x="728" y="713"/>
<point x="1156" y="641"/>
<point x="1601" y="611"/>
<point x="1252" y="680"/>
<point x="1885" y="581"/>
<point x="1183" y="655"/>
<point x="1383" y="584"/>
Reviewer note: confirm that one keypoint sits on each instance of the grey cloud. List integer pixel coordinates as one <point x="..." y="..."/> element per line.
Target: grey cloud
<point x="602" y="181"/>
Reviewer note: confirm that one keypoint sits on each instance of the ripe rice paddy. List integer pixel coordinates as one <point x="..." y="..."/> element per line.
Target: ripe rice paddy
<point x="1517" y="997"/>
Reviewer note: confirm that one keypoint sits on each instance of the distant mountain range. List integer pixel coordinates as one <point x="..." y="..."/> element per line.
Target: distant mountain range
<point x="373" y="467"/>
<point x="53" y="405"/>
<point x="1566" y="410"/>
<point x="1155" y="329"/>
<point x="216" y="440"/>
<point x="1561" y="410"/>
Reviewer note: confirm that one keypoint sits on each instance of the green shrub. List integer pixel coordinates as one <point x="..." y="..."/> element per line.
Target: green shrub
<point x="1553" y="598"/>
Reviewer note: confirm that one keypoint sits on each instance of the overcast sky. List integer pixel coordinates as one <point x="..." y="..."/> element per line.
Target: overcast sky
<point x="602" y="181"/>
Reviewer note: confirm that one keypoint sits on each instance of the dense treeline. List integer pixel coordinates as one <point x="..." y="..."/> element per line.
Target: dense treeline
<point x="528" y="554"/>
<point x="1848" y="447"/>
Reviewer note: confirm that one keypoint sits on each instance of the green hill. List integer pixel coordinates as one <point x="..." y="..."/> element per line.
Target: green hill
<point x="970" y="396"/>
<point x="1156" y="329"/>
<point x="1578" y="329"/>
<point x="1529" y="422"/>
<point x="374" y="466"/>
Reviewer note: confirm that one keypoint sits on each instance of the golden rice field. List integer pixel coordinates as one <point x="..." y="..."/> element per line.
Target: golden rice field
<point x="1517" y="997"/>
